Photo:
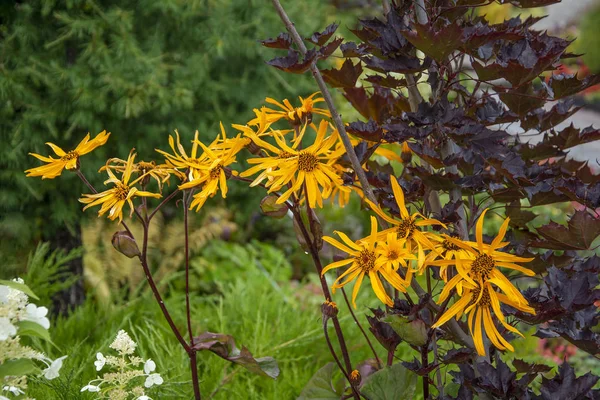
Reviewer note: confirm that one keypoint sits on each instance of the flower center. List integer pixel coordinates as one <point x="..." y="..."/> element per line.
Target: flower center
<point x="121" y="191"/>
<point x="366" y="260"/>
<point x="285" y="154"/>
<point x="215" y="172"/>
<point x="393" y="255"/>
<point x="144" y="167"/>
<point x="485" y="300"/>
<point x="483" y="266"/>
<point x="307" y="162"/>
<point x="71" y="155"/>
<point x="449" y="246"/>
<point x="406" y="228"/>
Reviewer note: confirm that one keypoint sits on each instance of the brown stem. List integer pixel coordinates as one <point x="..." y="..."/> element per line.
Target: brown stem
<point x="362" y="177"/>
<point x="425" y="364"/>
<point x="317" y="261"/>
<point x="361" y="328"/>
<point x="187" y="265"/>
<point x="390" y="358"/>
<point x="194" y="368"/>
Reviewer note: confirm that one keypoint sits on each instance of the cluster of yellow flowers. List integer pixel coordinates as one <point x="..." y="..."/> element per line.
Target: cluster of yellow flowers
<point x="311" y="174"/>
<point x="476" y="276"/>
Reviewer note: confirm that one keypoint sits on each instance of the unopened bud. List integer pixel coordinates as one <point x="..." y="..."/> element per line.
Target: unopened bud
<point x="406" y="153"/>
<point x="125" y="244"/>
<point x="329" y="309"/>
<point x="355" y="378"/>
<point x="269" y="206"/>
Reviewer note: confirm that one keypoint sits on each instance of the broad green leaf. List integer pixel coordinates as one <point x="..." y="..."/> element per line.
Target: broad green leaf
<point x="320" y="387"/>
<point x="19" y="286"/>
<point x="29" y="328"/>
<point x="413" y="332"/>
<point x="392" y="383"/>
<point x="20" y="367"/>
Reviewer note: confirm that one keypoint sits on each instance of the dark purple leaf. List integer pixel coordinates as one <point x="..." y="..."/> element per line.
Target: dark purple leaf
<point x="370" y="131"/>
<point x="291" y="63"/>
<point x="283" y="41"/>
<point x="564" y="85"/>
<point x="320" y="38"/>
<point x="566" y="386"/>
<point x="346" y="76"/>
<point x="581" y="231"/>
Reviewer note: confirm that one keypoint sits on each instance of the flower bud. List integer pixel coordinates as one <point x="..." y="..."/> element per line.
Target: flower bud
<point x="406" y="153"/>
<point x="125" y="244"/>
<point x="329" y="309"/>
<point x="269" y="206"/>
<point x="411" y="331"/>
<point x="355" y="378"/>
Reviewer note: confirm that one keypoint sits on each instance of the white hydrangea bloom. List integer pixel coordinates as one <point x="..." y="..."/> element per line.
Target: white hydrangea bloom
<point x="100" y="361"/>
<point x="90" y="388"/>
<point x="37" y="314"/>
<point x="153" y="379"/>
<point x="52" y="371"/>
<point x="4" y="292"/>
<point x="7" y="329"/>
<point x="143" y="397"/>
<point x="123" y="343"/>
<point x="149" y="366"/>
<point x="14" y="390"/>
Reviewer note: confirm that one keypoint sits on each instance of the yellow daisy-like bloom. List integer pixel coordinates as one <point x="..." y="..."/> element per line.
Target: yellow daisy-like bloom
<point x="408" y="226"/>
<point x="295" y="115"/>
<point x="160" y="173"/>
<point x="311" y="167"/>
<point x="479" y="261"/>
<point x="211" y="173"/>
<point x="445" y="250"/>
<point x="179" y="158"/>
<point x="123" y="191"/>
<point x="393" y="253"/>
<point x="364" y="260"/>
<point x="68" y="160"/>
<point x="479" y="303"/>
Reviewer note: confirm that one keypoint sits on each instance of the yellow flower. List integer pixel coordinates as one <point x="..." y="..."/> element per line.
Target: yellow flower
<point x="479" y="303"/>
<point x="295" y="115"/>
<point x="393" y="254"/>
<point x="123" y="191"/>
<point x="311" y="167"/>
<point x="364" y="260"/>
<point x="408" y="226"/>
<point x="160" y="173"/>
<point x="68" y="160"/>
<point x="211" y="173"/>
<point x="179" y="158"/>
<point x="479" y="261"/>
<point x="446" y="250"/>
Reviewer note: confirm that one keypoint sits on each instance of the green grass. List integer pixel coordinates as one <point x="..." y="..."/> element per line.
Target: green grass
<point x="270" y="317"/>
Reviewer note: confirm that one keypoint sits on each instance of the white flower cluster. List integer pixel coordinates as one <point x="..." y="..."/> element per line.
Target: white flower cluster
<point x="124" y="383"/>
<point x="15" y="313"/>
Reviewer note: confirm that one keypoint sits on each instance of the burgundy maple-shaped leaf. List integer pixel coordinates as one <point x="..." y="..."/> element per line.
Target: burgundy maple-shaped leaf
<point x="524" y="367"/>
<point x="386" y="81"/>
<point x="564" y="85"/>
<point x="291" y="63"/>
<point x="320" y="38"/>
<point x="518" y="216"/>
<point x="523" y="99"/>
<point x="581" y="231"/>
<point x="329" y="48"/>
<point x="374" y="106"/>
<point x="457" y="356"/>
<point x="565" y="385"/>
<point x="370" y="131"/>
<point x="543" y="120"/>
<point x="399" y="64"/>
<point x="283" y="41"/>
<point x="438" y="42"/>
<point x="351" y="49"/>
<point x="530" y="3"/>
<point x="346" y="76"/>
<point x="571" y="136"/>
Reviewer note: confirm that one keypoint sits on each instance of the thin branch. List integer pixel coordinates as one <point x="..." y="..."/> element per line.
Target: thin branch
<point x="356" y="165"/>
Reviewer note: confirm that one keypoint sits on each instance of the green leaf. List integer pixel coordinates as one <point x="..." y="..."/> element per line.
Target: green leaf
<point x="412" y="332"/>
<point x="19" y="286"/>
<point x="19" y="367"/>
<point x="29" y="328"/>
<point x="393" y="383"/>
<point x="319" y="387"/>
